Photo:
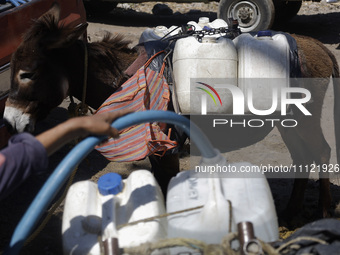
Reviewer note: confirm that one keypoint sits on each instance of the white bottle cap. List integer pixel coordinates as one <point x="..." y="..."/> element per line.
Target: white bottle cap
<point x="203" y="20"/>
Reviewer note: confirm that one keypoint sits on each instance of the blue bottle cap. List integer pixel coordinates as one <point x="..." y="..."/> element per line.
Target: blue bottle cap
<point x="264" y="33"/>
<point x="110" y="184"/>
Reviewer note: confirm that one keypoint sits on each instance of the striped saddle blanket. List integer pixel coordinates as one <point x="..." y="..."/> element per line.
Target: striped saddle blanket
<point x="145" y="90"/>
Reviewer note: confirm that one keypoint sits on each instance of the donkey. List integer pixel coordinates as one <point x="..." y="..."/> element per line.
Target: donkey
<point x="41" y="78"/>
<point x="49" y="63"/>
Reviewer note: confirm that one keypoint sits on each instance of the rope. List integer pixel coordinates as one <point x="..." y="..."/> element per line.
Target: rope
<point x="157" y="217"/>
<point x="86" y="57"/>
<point x="230" y="215"/>
<point x="226" y="243"/>
<point x="174" y="213"/>
<point x="148" y="248"/>
<point x="225" y="248"/>
<point x="81" y="109"/>
<point x="208" y="249"/>
<point x="200" y="246"/>
<point x="298" y="239"/>
<point x="212" y="249"/>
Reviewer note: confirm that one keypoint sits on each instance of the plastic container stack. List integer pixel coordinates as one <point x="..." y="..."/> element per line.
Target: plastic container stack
<point x="93" y="211"/>
<point x="241" y="198"/>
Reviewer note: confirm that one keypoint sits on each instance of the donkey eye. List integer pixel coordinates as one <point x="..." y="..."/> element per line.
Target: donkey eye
<point x="27" y="76"/>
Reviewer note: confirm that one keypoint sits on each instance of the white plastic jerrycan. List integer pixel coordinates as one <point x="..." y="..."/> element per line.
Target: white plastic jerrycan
<point x="263" y="69"/>
<point x="250" y="200"/>
<point x="93" y="213"/>
<point x="195" y="62"/>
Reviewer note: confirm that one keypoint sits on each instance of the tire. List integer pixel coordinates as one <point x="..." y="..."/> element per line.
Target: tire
<point x="286" y="10"/>
<point x="252" y="15"/>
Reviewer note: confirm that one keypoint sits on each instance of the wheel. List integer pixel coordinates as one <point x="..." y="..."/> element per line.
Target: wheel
<point x="285" y="10"/>
<point x="252" y="15"/>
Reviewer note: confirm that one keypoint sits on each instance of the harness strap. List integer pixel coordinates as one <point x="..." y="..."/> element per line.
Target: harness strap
<point x="86" y="64"/>
<point x="81" y="109"/>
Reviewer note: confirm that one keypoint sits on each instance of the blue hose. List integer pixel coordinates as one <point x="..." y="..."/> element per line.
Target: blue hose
<point x="81" y="150"/>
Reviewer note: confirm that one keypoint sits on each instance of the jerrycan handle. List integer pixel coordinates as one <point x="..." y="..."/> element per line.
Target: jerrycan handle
<point x="217" y="205"/>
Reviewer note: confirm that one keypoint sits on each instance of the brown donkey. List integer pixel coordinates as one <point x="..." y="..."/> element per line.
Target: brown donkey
<point x="50" y="63"/>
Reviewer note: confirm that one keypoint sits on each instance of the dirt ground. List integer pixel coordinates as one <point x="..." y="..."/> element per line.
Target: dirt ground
<point x="318" y="20"/>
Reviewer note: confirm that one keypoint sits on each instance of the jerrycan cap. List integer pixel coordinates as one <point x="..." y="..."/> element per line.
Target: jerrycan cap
<point x="110" y="184"/>
<point x="264" y="33"/>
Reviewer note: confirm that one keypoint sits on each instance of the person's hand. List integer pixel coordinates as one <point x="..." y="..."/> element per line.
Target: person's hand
<point x="100" y="124"/>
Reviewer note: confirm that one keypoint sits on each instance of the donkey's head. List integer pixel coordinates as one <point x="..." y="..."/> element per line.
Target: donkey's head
<point x="39" y="80"/>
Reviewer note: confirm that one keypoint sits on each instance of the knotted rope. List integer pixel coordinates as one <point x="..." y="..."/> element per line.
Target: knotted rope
<point x="224" y="248"/>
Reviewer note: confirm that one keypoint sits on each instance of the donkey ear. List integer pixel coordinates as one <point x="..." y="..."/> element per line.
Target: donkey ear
<point x="44" y="26"/>
<point x="76" y="33"/>
<point x="52" y="13"/>
<point x="68" y="36"/>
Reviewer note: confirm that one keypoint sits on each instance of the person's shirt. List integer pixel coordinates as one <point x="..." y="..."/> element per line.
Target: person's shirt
<point x="23" y="156"/>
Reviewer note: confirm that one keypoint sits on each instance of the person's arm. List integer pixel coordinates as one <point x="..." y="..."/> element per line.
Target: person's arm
<point x="99" y="124"/>
<point x="23" y="157"/>
<point x="26" y="154"/>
